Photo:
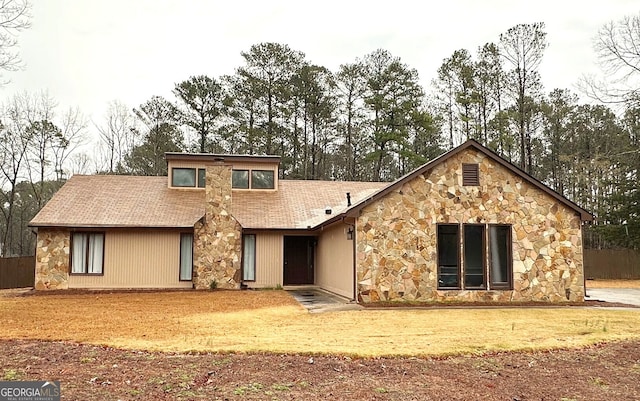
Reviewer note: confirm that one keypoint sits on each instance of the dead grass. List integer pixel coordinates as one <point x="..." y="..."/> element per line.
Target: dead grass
<point x="613" y="284"/>
<point x="271" y="321"/>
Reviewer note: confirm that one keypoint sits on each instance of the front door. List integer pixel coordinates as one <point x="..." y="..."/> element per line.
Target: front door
<point x="298" y="260"/>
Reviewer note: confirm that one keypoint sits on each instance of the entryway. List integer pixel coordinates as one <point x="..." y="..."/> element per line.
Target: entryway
<point x="299" y="260"/>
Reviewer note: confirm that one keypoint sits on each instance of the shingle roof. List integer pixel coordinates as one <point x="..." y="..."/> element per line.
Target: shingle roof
<point x="298" y="204"/>
<point x="120" y="201"/>
<point x="132" y="201"/>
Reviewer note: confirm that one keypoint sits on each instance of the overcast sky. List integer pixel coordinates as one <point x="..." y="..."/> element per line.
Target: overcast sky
<point x="89" y="52"/>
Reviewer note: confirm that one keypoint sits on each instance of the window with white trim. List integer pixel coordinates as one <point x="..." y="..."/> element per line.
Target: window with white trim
<point x="249" y="257"/>
<point x="186" y="256"/>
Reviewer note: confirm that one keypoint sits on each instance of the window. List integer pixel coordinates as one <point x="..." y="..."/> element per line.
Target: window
<point x="470" y="174"/>
<point x="240" y="179"/>
<point x="262" y="179"/>
<point x="486" y="257"/>
<point x="500" y="256"/>
<point x="183" y="177"/>
<point x="249" y="257"/>
<point x="474" y="256"/>
<point x="448" y="256"/>
<point x="202" y="177"/>
<point x="87" y="255"/>
<point x="186" y="256"/>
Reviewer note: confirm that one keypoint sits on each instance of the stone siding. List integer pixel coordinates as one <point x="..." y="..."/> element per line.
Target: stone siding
<point x="397" y="241"/>
<point x="52" y="260"/>
<point x="218" y="236"/>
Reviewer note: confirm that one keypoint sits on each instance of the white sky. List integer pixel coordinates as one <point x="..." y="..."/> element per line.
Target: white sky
<point x="89" y="52"/>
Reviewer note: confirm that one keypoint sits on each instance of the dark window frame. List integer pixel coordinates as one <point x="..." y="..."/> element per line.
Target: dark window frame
<point x="438" y="247"/>
<point x="85" y="266"/>
<point x="470" y="174"/>
<point x="465" y="228"/>
<point x="489" y="284"/>
<point x="507" y="285"/>
<point x="255" y="246"/>
<point x="180" y="260"/>
<point x="195" y="178"/>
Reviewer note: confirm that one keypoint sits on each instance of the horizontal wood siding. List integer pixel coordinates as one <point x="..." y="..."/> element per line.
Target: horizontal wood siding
<point x="334" y="270"/>
<point x="143" y="259"/>
<point x="269" y="260"/>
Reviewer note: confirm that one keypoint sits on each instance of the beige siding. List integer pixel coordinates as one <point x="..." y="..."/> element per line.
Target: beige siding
<point x="334" y="269"/>
<point x="142" y="259"/>
<point x="269" y="260"/>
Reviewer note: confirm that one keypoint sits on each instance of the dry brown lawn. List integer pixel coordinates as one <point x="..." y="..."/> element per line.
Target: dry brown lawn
<point x="613" y="283"/>
<point x="272" y="321"/>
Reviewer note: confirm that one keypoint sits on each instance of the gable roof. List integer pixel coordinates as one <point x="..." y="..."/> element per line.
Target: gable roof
<point x="469" y="144"/>
<point x="133" y="201"/>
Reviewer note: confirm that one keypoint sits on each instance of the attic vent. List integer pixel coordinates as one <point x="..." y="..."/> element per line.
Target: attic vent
<point x="470" y="174"/>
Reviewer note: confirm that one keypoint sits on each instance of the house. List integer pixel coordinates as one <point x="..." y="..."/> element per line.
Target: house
<point x="467" y="226"/>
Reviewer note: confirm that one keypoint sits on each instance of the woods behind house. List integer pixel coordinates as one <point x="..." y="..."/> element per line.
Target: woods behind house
<point x="371" y="119"/>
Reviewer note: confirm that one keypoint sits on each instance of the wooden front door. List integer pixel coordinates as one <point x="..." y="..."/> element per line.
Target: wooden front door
<point x="298" y="260"/>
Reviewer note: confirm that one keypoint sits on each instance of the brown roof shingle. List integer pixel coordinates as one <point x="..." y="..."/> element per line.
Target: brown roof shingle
<point x="132" y="201"/>
<point x="120" y="201"/>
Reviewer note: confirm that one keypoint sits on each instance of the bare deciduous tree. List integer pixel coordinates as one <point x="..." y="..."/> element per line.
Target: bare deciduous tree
<point x="15" y="16"/>
<point x="116" y="136"/>
<point x="617" y="46"/>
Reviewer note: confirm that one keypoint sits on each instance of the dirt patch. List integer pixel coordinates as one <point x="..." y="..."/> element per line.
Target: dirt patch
<point x="601" y="372"/>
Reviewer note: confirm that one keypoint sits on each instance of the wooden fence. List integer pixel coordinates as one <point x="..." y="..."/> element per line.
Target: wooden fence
<point x="17" y="272"/>
<point x="611" y="264"/>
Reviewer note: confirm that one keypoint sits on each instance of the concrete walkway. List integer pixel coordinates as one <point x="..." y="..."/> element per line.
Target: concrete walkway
<point x="629" y="296"/>
<point x="319" y="301"/>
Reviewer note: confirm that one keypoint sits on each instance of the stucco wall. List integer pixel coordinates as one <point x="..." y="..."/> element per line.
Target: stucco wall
<point x="217" y="238"/>
<point x="52" y="259"/>
<point x="397" y="242"/>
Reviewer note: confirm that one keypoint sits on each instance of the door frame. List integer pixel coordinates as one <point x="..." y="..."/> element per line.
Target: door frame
<point x="310" y="255"/>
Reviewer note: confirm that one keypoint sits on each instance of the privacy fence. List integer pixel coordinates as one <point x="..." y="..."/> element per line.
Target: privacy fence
<point x="17" y="272"/>
<point x="611" y="264"/>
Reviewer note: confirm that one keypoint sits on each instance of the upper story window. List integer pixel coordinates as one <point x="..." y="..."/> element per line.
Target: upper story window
<point x="254" y="179"/>
<point x="186" y="177"/>
<point x="240" y="179"/>
<point x="262" y="179"/>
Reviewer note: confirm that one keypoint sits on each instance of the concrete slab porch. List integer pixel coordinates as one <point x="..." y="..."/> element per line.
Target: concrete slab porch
<point x="317" y="300"/>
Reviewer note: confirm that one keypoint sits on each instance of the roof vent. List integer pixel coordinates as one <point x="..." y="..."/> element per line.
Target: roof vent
<point x="348" y="199"/>
<point x="470" y="174"/>
<point x="327" y="210"/>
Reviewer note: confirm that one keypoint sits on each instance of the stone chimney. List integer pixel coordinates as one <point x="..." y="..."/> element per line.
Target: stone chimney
<point x="218" y="238"/>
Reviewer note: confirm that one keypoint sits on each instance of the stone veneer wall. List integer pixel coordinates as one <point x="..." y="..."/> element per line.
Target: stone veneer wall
<point x="396" y="236"/>
<point x="52" y="260"/>
<point x="218" y="237"/>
